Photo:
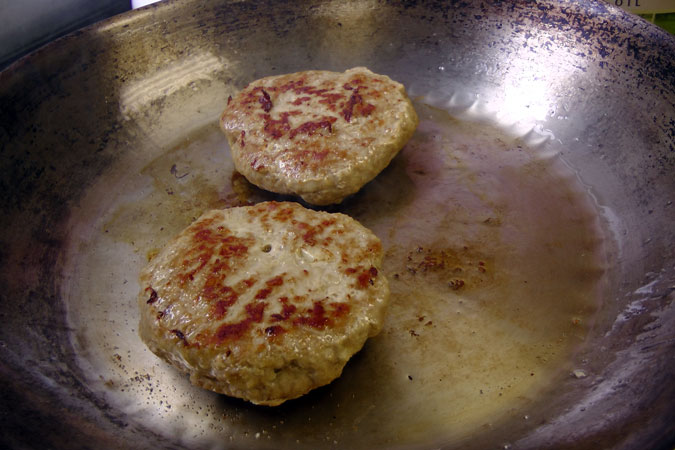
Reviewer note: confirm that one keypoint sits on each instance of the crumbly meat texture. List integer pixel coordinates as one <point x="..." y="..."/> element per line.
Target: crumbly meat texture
<point x="264" y="302"/>
<point x="318" y="134"/>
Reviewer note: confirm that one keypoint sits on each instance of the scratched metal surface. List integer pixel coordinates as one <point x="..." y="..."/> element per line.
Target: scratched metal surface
<point x="92" y="116"/>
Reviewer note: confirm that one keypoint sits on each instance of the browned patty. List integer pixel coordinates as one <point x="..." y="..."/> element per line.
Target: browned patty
<point x="264" y="302"/>
<point x="318" y="134"/>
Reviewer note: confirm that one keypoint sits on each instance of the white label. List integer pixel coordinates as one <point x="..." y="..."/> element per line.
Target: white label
<point x="645" y="6"/>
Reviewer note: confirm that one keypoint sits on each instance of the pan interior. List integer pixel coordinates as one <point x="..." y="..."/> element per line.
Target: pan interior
<point x="494" y="250"/>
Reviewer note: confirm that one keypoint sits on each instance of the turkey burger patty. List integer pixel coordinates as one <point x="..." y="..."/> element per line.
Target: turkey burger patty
<point x="317" y="134"/>
<point x="264" y="302"/>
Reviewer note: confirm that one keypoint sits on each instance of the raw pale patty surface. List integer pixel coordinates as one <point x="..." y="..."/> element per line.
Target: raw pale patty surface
<point x="264" y="302"/>
<point x="318" y="134"/>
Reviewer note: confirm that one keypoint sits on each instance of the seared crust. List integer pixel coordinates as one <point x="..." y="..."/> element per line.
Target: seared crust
<point x="318" y="134"/>
<point x="264" y="302"/>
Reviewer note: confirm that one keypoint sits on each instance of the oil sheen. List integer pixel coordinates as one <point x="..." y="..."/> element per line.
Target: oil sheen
<point x="494" y="255"/>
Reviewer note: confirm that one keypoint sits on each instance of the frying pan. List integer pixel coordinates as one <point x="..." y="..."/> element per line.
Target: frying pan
<point x="110" y="144"/>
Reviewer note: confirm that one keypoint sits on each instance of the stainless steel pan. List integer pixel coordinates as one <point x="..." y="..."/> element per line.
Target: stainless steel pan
<point x="110" y="144"/>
